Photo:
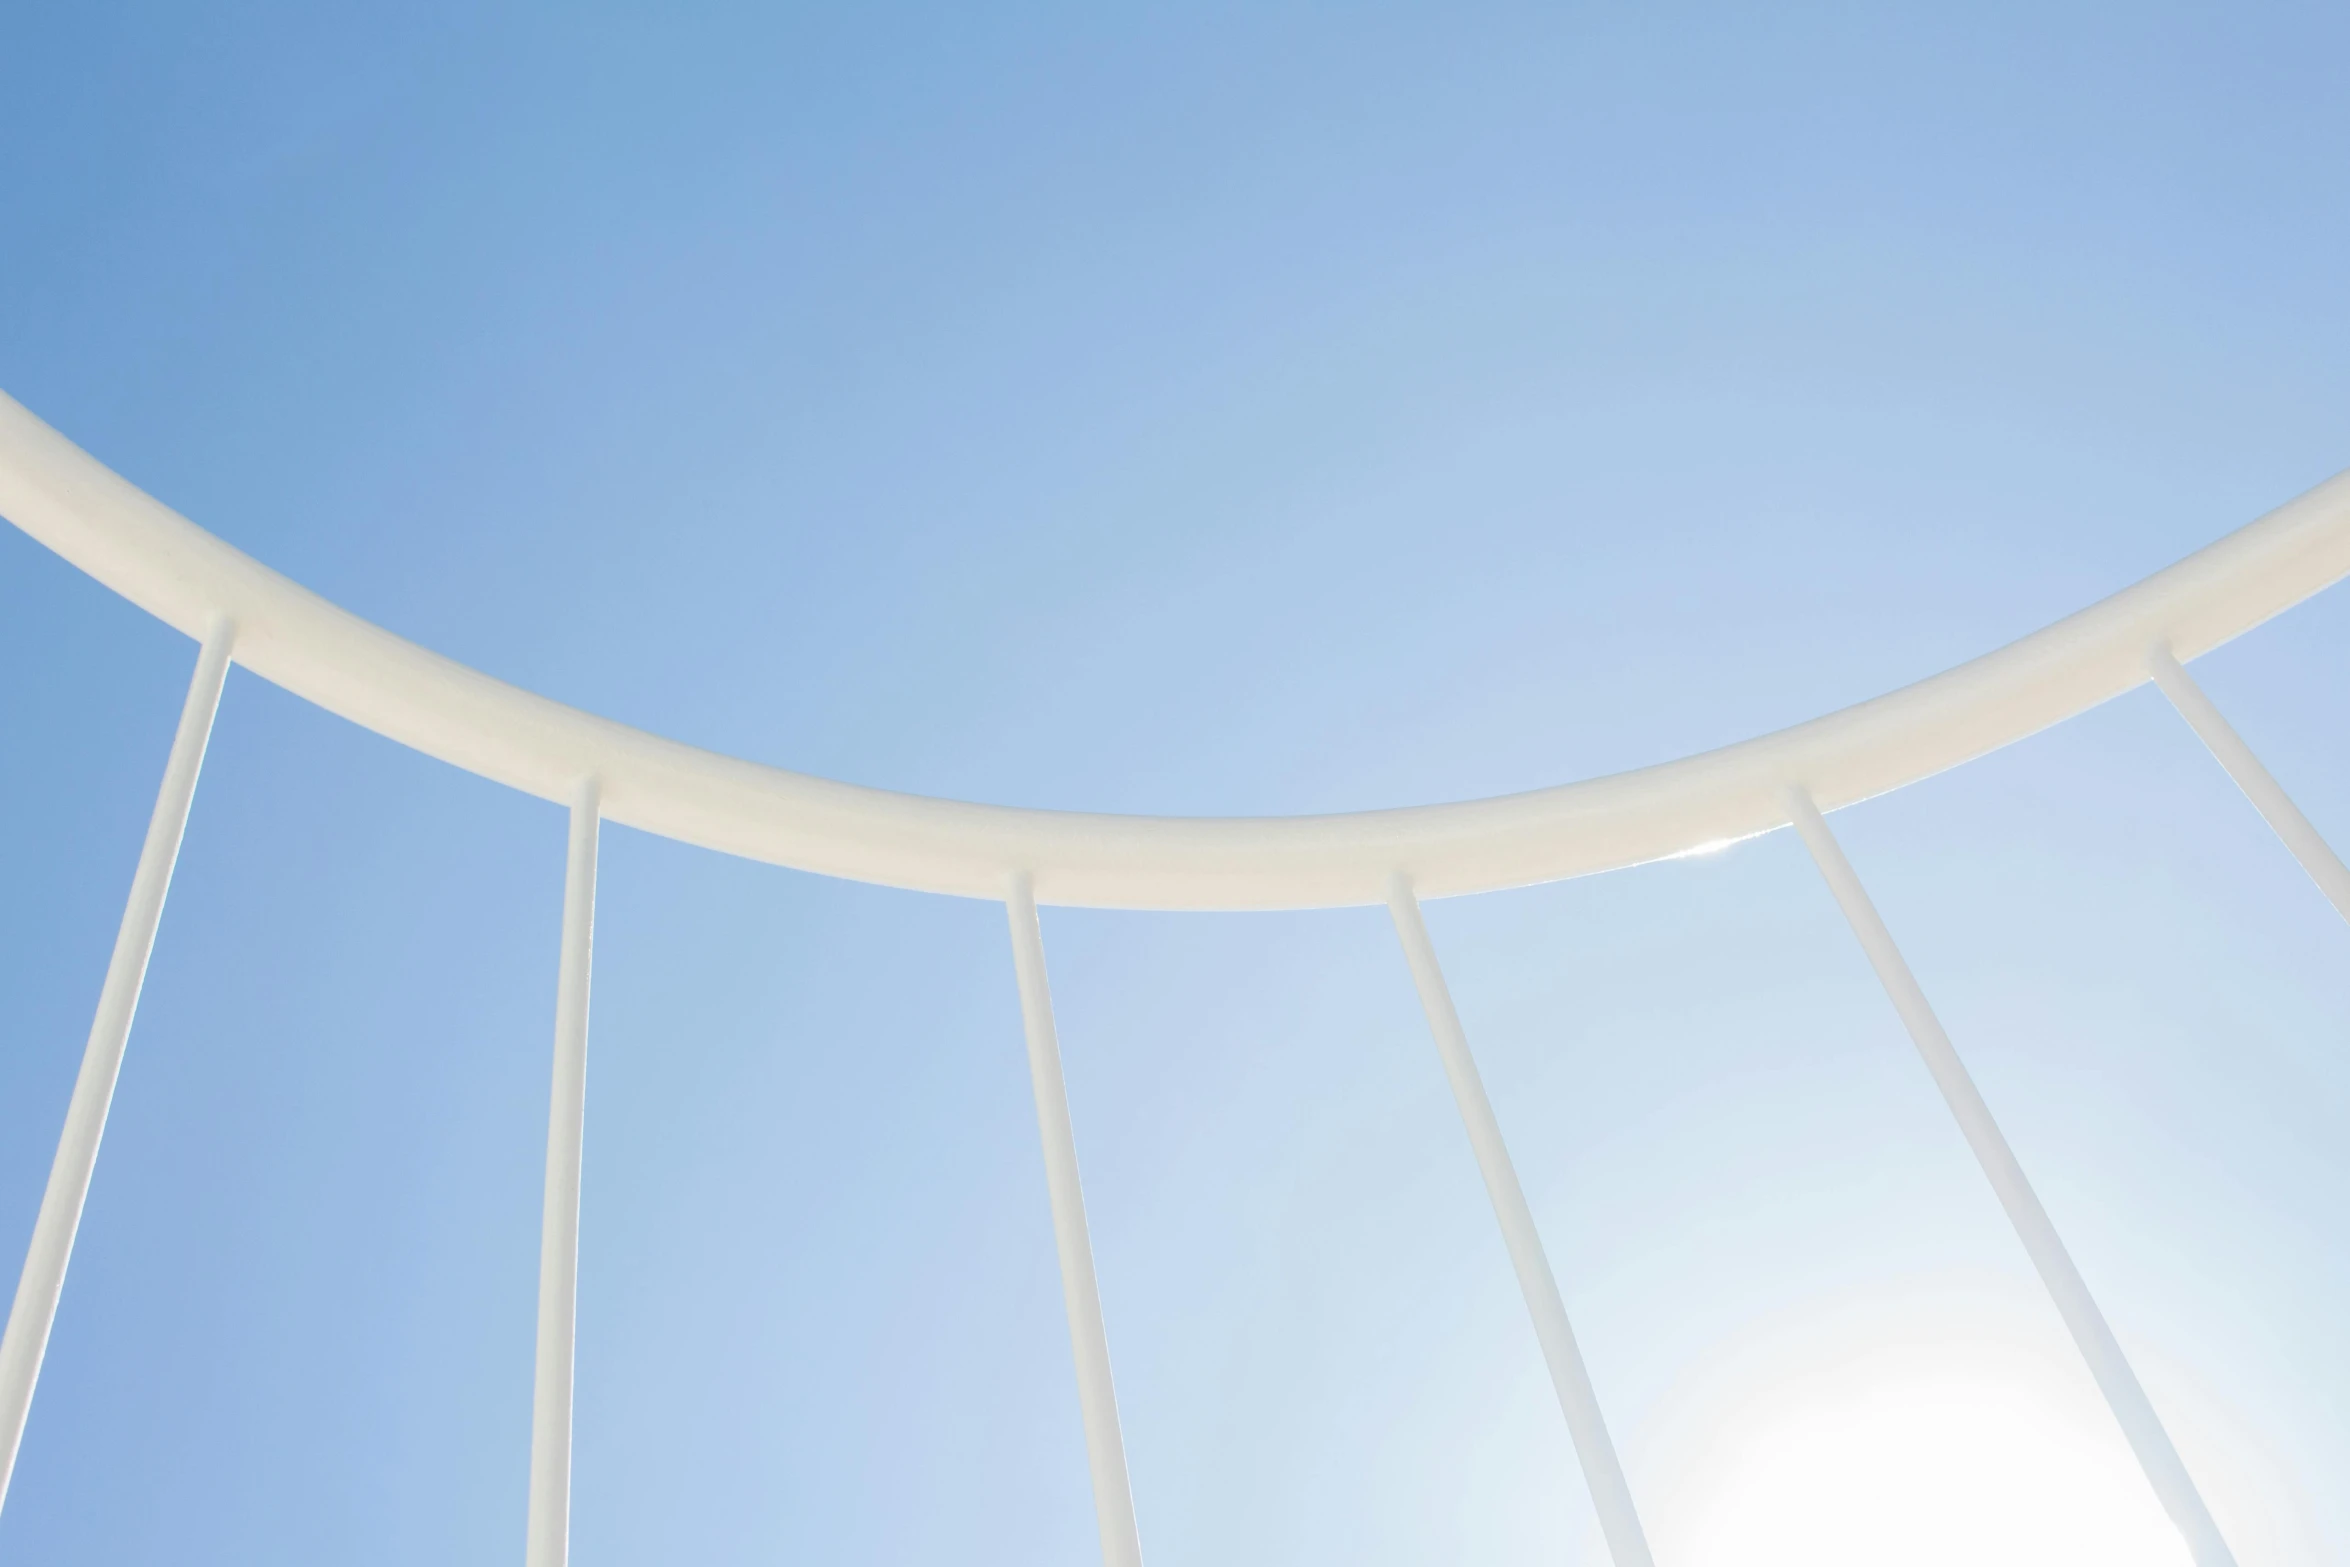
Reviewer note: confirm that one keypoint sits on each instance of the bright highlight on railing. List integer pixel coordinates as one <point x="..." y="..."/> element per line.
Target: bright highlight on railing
<point x="599" y="769"/>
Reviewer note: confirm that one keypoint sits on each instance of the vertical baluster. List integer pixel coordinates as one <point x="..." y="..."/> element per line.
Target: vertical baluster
<point x="26" y="1340"/>
<point x="1611" y="1494"/>
<point x="1089" y="1342"/>
<point x="2090" y="1331"/>
<point x="2259" y="785"/>
<point x="549" y="1540"/>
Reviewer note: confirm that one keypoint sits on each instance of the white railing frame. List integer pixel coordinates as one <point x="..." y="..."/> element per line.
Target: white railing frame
<point x="66" y="499"/>
<point x="287" y="635"/>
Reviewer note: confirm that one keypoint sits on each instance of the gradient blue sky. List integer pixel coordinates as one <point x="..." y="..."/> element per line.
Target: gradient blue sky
<point x="1260" y="409"/>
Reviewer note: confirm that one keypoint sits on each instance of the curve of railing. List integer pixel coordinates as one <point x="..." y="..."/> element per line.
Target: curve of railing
<point x="183" y="575"/>
<point x="241" y="611"/>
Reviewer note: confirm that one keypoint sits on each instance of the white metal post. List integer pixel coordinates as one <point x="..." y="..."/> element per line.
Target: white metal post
<point x="2131" y="1407"/>
<point x="549" y="1541"/>
<point x="2259" y="785"/>
<point x="1089" y="1342"/>
<point x="1611" y="1495"/>
<point x="26" y="1340"/>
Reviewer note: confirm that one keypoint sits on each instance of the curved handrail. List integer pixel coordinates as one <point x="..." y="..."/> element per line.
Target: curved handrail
<point x="181" y="574"/>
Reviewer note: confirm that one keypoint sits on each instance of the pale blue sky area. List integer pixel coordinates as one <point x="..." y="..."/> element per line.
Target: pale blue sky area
<point x="1266" y="409"/>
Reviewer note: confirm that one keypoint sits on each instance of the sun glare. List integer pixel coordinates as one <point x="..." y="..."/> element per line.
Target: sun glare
<point x="1926" y="1455"/>
<point x="1706" y="850"/>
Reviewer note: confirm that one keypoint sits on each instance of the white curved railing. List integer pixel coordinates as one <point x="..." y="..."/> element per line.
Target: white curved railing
<point x="240" y="609"/>
<point x="291" y="637"/>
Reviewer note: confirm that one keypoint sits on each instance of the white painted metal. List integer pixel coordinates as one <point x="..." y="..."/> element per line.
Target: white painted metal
<point x="1619" y="1520"/>
<point x="178" y="572"/>
<point x="1089" y="1340"/>
<point x="548" y="1543"/>
<point x="26" y="1340"/>
<point x="2098" y="1346"/>
<point x="2260" y="786"/>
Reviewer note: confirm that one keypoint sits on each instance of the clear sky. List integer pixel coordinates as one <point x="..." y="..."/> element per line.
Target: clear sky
<point x="1263" y="409"/>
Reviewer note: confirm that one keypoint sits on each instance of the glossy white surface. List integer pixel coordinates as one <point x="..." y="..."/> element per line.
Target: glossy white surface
<point x="143" y="550"/>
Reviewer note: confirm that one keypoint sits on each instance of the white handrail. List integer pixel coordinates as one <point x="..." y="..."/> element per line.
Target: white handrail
<point x="176" y="571"/>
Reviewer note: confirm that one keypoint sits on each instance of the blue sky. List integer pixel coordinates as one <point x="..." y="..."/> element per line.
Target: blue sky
<point x="1203" y="411"/>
